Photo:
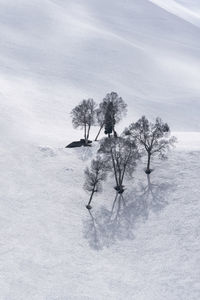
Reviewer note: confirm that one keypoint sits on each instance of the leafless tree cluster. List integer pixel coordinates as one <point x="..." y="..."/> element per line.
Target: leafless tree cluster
<point x="83" y="116"/>
<point x="119" y="154"/>
<point x="109" y="112"/>
<point x="116" y="155"/>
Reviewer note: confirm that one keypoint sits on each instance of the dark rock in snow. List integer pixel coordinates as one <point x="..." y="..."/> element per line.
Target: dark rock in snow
<point x="79" y="144"/>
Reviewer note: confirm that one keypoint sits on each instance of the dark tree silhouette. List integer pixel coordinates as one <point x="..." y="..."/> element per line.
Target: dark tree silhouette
<point x="83" y="116"/>
<point x="121" y="155"/>
<point x="109" y="120"/>
<point x="94" y="177"/>
<point x="155" y="138"/>
<point x="111" y="110"/>
<point x="100" y="117"/>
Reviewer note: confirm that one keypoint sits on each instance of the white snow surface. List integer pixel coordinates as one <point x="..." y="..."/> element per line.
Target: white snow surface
<point x="53" y="53"/>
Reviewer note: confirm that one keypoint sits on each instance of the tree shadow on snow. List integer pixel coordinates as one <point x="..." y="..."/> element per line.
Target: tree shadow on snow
<point x="105" y="227"/>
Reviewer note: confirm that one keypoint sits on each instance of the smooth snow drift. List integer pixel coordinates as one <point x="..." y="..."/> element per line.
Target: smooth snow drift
<point x="52" y="55"/>
<point x="55" y="53"/>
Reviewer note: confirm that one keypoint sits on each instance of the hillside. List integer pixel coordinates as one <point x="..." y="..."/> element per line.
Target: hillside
<point x="51" y="248"/>
<point x="52" y="55"/>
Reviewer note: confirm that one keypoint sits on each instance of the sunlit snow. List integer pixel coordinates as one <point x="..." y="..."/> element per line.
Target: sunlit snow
<point x="52" y="55"/>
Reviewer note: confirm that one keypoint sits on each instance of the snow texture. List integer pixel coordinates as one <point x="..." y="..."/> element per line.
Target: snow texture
<point x="52" y="55"/>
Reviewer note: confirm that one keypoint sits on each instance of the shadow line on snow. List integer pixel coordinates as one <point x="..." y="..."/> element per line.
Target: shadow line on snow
<point x="105" y="227"/>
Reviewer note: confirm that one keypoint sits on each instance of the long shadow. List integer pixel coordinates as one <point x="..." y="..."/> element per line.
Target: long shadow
<point x="105" y="227"/>
<point x="91" y="232"/>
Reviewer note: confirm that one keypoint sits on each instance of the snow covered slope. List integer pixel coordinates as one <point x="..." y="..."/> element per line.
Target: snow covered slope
<point x="51" y="248"/>
<point x="181" y="8"/>
<point x="53" y="54"/>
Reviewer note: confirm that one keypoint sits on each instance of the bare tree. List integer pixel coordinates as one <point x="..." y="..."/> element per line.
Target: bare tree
<point x="100" y="117"/>
<point x="155" y="138"/>
<point x="121" y="154"/>
<point x="83" y="116"/>
<point x="111" y="110"/>
<point x="110" y="120"/>
<point x="94" y="177"/>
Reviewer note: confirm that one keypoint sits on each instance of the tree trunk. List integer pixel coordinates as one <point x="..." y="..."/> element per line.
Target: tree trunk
<point x="115" y="133"/>
<point x="120" y="178"/>
<point x="88" y="132"/>
<point x="148" y="171"/>
<point x="85" y="137"/>
<point x="123" y="172"/>
<point x="91" y="196"/>
<point x="114" y="167"/>
<point x="96" y="138"/>
<point x="90" y="200"/>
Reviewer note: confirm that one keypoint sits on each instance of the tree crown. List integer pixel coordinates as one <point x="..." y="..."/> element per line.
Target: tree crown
<point x="123" y="151"/>
<point x="84" y="113"/>
<point x="95" y="175"/>
<point x="154" y="137"/>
